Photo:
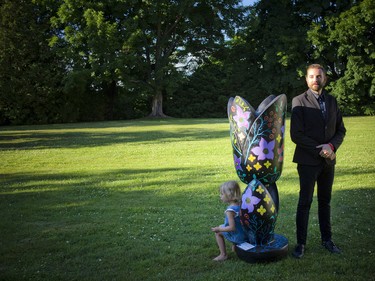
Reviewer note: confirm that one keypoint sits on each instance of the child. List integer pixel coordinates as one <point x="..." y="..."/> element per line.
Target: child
<point x="231" y="229"/>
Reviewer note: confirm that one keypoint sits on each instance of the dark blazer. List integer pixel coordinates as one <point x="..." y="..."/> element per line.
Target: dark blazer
<point x="309" y="128"/>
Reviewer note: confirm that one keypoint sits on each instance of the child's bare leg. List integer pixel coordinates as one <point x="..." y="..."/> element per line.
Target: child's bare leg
<point x="221" y="243"/>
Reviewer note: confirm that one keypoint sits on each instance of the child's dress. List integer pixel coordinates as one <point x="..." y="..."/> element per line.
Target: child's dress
<point x="238" y="236"/>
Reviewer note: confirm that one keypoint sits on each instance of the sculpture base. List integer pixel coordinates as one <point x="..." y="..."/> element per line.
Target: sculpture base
<point x="275" y="250"/>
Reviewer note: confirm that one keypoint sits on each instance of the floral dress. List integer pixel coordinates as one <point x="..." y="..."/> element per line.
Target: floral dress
<point x="237" y="236"/>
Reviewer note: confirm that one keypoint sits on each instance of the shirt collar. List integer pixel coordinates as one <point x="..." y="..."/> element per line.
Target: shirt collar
<point x="317" y="95"/>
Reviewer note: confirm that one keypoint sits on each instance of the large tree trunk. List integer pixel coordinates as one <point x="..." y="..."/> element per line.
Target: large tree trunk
<point x="157" y="105"/>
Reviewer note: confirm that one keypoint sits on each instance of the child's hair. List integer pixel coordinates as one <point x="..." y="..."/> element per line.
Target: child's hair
<point x="231" y="191"/>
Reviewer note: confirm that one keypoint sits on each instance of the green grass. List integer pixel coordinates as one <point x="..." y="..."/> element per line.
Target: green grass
<point x="135" y="200"/>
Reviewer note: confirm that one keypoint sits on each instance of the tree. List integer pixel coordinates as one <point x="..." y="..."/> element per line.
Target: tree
<point x="138" y="43"/>
<point x="90" y="45"/>
<point x="281" y="35"/>
<point x="349" y="37"/>
<point x="266" y="56"/>
<point x="30" y="72"/>
<point x="203" y="94"/>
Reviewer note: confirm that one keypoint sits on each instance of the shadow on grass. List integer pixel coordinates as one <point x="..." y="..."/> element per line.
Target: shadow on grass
<point x="144" y="122"/>
<point x="40" y="139"/>
<point x="355" y="170"/>
<point x="95" y="222"/>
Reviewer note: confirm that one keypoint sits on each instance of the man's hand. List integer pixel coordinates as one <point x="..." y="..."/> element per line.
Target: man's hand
<point x="326" y="151"/>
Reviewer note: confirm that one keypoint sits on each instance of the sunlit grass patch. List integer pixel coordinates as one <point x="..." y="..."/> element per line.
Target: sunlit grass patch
<point x="135" y="200"/>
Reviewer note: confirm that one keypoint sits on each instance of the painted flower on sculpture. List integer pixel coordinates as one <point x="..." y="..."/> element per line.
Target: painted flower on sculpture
<point x="261" y="210"/>
<point x="242" y="117"/>
<point x="241" y="136"/>
<point x="264" y="150"/>
<point x="237" y="162"/>
<point x="249" y="201"/>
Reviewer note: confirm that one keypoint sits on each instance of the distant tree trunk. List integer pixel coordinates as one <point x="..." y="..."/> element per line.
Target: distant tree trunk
<point x="157" y="105"/>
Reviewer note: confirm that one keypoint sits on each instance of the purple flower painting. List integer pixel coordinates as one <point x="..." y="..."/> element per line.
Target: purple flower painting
<point x="237" y="162"/>
<point x="242" y="118"/>
<point x="249" y="201"/>
<point x="264" y="150"/>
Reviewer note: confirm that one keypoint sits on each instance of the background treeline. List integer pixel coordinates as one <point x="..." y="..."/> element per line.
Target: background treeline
<point x="88" y="60"/>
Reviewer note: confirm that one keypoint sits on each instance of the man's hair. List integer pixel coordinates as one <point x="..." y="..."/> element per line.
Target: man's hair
<point x="315" y="65"/>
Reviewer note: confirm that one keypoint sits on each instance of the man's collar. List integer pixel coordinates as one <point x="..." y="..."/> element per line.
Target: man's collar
<point x="316" y="94"/>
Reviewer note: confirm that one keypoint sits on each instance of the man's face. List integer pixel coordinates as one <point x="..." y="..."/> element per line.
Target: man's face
<point x="315" y="79"/>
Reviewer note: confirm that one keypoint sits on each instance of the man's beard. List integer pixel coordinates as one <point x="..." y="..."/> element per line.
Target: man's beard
<point x="316" y="87"/>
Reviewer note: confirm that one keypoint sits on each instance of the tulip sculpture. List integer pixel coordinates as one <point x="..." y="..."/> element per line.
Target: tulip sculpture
<point x="257" y="138"/>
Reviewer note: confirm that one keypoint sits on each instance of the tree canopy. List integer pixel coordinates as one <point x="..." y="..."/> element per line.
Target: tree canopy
<point x="349" y="36"/>
<point x="69" y="61"/>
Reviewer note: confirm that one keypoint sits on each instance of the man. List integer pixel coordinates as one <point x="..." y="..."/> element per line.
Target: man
<point x="318" y="130"/>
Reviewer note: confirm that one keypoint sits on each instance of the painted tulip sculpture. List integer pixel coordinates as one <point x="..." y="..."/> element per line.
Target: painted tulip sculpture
<point x="257" y="138"/>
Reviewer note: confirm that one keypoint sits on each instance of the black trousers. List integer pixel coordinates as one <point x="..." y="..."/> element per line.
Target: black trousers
<point x="323" y="176"/>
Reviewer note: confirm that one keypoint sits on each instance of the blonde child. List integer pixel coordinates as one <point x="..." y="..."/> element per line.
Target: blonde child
<point x="231" y="230"/>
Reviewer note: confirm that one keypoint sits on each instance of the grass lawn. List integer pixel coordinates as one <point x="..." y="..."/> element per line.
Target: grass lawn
<point x="135" y="200"/>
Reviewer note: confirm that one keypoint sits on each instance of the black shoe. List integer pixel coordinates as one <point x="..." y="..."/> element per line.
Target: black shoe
<point x="330" y="246"/>
<point x="299" y="251"/>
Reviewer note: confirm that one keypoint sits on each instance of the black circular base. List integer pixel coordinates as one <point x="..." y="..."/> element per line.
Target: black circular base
<point x="275" y="250"/>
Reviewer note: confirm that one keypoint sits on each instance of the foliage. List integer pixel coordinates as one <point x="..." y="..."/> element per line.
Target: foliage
<point x="90" y="45"/>
<point x="279" y="32"/>
<point x="355" y="89"/>
<point x="30" y="73"/>
<point x="203" y="94"/>
<point x="318" y="14"/>
<point x="353" y="34"/>
<point x="262" y="59"/>
<point x="69" y="61"/>
<point x="107" y="201"/>
<point x="124" y="43"/>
